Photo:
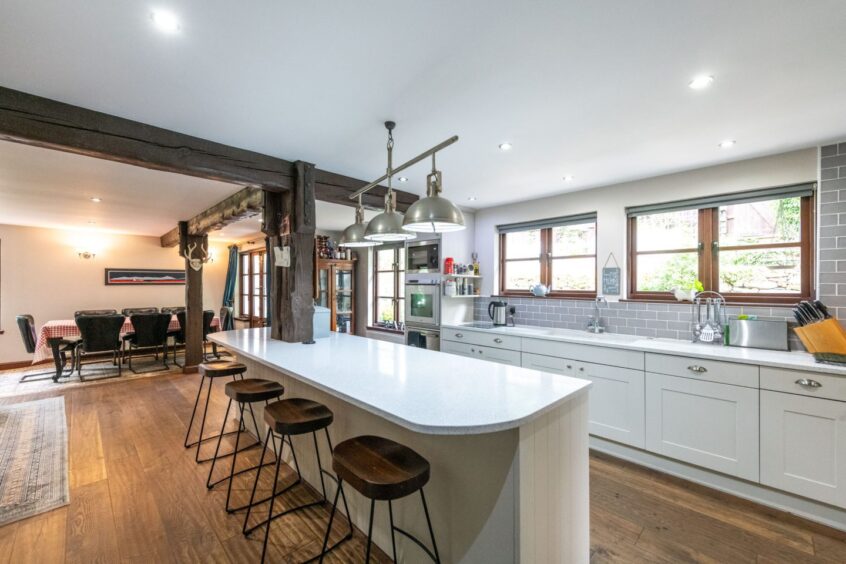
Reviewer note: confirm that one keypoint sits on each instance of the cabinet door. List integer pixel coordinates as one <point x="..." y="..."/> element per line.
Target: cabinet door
<point x="803" y="446"/>
<point x="616" y="402"/>
<point x="343" y="290"/>
<point x="501" y="356"/>
<point x="556" y="365"/>
<point x="459" y="348"/>
<point x="704" y="423"/>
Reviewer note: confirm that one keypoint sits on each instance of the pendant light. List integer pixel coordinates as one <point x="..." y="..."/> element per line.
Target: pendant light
<point x="433" y="214"/>
<point x="353" y="236"/>
<point x="387" y="226"/>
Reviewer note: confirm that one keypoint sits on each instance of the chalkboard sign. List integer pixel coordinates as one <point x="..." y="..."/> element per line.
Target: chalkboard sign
<point x="611" y="281"/>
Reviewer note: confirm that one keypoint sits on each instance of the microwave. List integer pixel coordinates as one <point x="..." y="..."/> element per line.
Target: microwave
<point x="423" y="256"/>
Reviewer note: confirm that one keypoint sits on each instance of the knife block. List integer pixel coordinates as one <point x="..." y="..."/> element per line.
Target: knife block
<point x="824" y="336"/>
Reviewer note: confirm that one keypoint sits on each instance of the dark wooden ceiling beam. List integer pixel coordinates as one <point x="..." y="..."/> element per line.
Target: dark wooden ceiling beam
<point x="336" y="188"/>
<point x="241" y="205"/>
<point x="33" y="120"/>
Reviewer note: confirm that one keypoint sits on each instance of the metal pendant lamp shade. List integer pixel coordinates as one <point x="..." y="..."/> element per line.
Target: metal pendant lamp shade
<point x="387" y="226"/>
<point x="353" y="236"/>
<point x="434" y="213"/>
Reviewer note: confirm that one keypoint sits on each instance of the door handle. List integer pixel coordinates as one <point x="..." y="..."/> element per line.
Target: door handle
<point x="697" y="368"/>
<point x="569" y="366"/>
<point x="459" y="336"/>
<point x="497" y="340"/>
<point x="808" y="383"/>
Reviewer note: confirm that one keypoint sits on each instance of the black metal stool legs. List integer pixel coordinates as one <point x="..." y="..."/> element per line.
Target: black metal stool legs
<point x="370" y="532"/>
<point x="201" y="439"/>
<point x="433" y="554"/>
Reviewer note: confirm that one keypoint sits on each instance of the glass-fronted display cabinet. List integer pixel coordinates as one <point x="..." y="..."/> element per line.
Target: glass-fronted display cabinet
<point x="335" y="289"/>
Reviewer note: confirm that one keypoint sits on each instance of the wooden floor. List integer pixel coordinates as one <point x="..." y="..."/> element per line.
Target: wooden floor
<point x="138" y="496"/>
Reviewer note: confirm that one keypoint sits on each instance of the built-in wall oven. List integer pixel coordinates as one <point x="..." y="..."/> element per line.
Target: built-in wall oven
<point x="422" y="302"/>
<point x="423" y="256"/>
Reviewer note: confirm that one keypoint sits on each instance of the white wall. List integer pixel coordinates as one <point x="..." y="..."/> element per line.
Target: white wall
<point x="460" y="245"/>
<point x="41" y="274"/>
<point x="609" y="202"/>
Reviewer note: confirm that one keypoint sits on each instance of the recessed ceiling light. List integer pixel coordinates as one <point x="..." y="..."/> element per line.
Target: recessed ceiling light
<point x="471" y="199"/>
<point x="569" y="178"/>
<point x="701" y="82"/>
<point x="727" y="144"/>
<point x="165" y="21"/>
<point x="505" y="146"/>
<point x="95" y="200"/>
<point x="402" y="179"/>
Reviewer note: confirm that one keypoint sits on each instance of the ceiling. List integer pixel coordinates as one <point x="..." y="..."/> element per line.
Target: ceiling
<point x="595" y="89"/>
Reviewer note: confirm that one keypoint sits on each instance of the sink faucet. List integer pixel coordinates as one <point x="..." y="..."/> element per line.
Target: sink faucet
<point x="594" y="324"/>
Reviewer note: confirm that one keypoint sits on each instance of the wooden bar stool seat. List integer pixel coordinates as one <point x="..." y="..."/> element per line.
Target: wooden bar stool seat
<point x="250" y="390"/>
<point x="297" y="416"/>
<point x="290" y="417"/>
<point x="381" y="469"/>
<point x="210" y="371"/>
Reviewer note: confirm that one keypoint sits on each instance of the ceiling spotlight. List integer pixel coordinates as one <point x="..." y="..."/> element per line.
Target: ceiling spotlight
<point x="505" y="146"/>
<point x="471" y="199"/>
<point x="701" y="82"/>
<point x="165" y="21"/>
<point x="569" y="178"/>
<point x="402" y="179"/>
<point x="95" y="200"/>
<point x="727" y="144"/>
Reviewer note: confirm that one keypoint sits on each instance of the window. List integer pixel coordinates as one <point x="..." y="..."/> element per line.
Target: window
<point x="389" y="287"/>
<point x="753" y="247"/>
<point x="252" y="285"/>
<point x="559" y="253"/>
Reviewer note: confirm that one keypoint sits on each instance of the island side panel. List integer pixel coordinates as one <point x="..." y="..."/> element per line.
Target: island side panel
<point x="472" y="494"/>
<point x="554" y="482"/>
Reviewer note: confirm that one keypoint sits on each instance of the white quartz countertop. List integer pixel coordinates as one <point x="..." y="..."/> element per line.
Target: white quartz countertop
<point x="425" y="391"/>
<point x="797" y="360"/>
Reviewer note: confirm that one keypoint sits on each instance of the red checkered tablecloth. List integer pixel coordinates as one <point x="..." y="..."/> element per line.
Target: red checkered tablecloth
<point x="66" y="328"/>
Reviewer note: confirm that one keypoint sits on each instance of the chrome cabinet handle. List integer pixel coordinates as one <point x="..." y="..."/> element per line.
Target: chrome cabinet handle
<point x="581" y="368"/>
<point x="459" y="335"/>
<point x="472" y="350"/>
<point x="697" y="368"/>
<point x="480" y="351"/>
<point x="569" y="366"/>
<point x="808" y="383"/>
<point x="497" y="340"/>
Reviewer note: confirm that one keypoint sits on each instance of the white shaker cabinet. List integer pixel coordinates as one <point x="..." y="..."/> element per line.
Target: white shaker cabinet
<point x="708" y="424"/>
<point x="502" y="356"/>
<point x="803" y="446"/>
<point x="553" y="364"/>
<point x="616" y="402"/>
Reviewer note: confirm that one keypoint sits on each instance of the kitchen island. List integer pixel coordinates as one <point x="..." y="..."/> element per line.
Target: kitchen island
<point x="508" y="446"/>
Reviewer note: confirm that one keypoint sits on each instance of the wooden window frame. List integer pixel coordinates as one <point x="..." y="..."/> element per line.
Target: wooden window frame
<point x="399" y="303"/>
<point x="247" y="296"/>
<point x="709" y="264"/>
<point x="546" y="257"/>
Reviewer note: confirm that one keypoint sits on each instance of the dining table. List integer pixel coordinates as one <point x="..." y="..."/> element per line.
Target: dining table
<point x="54" y="332"/>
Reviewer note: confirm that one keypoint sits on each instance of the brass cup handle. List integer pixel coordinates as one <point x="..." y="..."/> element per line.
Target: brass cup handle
<point x="497" y="340"/>
<point x="808" y="383"/>
<point x="697" y="368"/>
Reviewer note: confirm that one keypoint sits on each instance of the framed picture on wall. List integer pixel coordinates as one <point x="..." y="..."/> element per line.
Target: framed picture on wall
<point x="144" y="277"/>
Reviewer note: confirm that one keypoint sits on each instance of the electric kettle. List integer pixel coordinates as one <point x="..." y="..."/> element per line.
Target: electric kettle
<point x="497" y="311"/>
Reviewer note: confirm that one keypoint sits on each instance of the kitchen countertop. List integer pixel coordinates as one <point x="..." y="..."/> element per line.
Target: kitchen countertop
<point x="796" y="360"/>
<point x="422" y="390"/>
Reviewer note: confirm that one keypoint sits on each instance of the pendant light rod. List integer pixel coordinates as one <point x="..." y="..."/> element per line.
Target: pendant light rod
<point x="405" y="165"/>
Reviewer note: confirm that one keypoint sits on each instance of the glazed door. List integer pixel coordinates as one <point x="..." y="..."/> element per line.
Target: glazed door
<point x="342" y="278"/>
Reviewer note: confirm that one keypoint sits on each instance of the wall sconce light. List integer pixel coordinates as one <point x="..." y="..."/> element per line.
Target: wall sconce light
<point x="86" y="255"/>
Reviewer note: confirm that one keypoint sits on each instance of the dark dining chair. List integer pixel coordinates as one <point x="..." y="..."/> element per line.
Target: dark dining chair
<point x="130" y="311"/>
<point x="173" y="310"/>
<point x="99" y="334"/>
<point x="179" y="335"/>
<point x="225" y="316"/>
<point x="94" y="312"/>
<point x="150" y="333"/>
<point x="26" y="325"/>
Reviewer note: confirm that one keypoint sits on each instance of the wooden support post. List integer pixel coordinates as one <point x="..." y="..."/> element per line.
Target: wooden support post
<point x="290" y="223"/>
<point x="193" y="297"/>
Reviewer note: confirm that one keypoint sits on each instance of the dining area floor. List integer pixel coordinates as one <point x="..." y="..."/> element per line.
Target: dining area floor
<point x="137" y="495"/>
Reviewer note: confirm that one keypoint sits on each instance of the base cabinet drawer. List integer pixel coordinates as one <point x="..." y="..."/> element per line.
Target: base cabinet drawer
<point x="803" y="446"/>
<point x="483" y="338"/>
<point x="616" y="402"/>
<point x="553" y="364"/>
<point x="704" y="423"/>
<point x="492" y="354"/>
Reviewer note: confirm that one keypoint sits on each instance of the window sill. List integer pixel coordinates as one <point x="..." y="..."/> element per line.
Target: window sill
<point x="551" y="295"/>
<point x="385" y="330"/>
<point x="732" y="302"/>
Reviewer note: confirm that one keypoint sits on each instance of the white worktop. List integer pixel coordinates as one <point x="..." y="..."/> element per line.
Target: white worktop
<point x="796" y="360"/>
<point x="425" y="391"/>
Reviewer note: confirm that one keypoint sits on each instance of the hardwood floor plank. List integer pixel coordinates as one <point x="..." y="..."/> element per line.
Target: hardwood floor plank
<point x="85" y="448"/>
<point x="7" y="542"/>
<point x="41" y="538"/>
<point x="91" y="535"/>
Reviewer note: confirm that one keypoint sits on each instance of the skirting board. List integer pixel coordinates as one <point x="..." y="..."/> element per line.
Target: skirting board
<point x="800" y="506"/>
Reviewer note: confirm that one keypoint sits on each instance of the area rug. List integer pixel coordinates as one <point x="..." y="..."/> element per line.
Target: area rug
<point x="33" y="458"/>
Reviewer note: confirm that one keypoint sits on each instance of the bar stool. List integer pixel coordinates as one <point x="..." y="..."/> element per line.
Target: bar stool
<point x="381" y="469"/>
<point x="245" y="392"/>
<point x="290" y="417"/>
<point x="210" y="371"/>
